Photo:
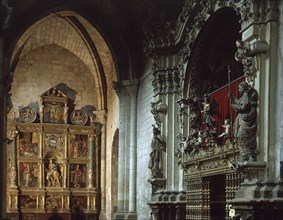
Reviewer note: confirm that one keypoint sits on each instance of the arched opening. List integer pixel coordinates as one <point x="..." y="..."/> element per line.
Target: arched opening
<point x="64" y="51"/>
<point x="213" y="51"/>
<point x="212" y="73"/>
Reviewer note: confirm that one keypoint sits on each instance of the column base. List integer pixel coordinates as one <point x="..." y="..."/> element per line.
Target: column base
<point x="119" y="216"/>
<point x="131" y="215"/>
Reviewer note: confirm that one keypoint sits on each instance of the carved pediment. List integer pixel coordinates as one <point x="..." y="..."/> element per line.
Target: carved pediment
<point x="55" y="107"/>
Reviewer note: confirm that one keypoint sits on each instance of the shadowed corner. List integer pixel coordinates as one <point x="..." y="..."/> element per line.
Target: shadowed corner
<point x="55" y="215"/>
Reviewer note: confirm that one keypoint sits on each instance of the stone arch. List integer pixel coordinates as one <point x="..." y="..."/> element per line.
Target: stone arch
<point x="73" y="38"/>
<point x="213" y="49"/>
<point x="69" y="30"/>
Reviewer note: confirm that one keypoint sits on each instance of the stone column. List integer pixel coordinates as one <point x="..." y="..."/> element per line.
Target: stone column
<point x="132" y="88"/>
<point x="123" y="101"/>
<point x="102" y="119"/>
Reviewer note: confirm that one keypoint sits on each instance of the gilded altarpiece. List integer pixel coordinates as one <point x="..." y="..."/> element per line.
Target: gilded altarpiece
<point x="52" y="165"/>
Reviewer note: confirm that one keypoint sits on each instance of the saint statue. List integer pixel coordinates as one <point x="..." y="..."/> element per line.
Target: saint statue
<point x="245" y="126"/>
<point x="158" y="145"/>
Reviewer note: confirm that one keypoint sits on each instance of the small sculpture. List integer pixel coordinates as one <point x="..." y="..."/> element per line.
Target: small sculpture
<point x="28" y="173"/>
<point x="77" y="176"/>
<point x="53" y="175"/>
<point x="196" y="142"/>
<point x="226" y="126"/>
<point x="158" y="145"/>
<point x="206" y="111"/>
<point x="245" y="126"/>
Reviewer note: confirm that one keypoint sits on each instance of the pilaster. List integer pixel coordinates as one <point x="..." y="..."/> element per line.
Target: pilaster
<point x="122" y="159"/>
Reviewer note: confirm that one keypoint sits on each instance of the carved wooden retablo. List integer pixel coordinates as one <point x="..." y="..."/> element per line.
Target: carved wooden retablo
<point x="52" y="164"/>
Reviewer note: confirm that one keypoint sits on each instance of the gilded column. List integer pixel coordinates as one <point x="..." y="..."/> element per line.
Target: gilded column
<point x="90" y="157"/>
<point x="13" y="172"/>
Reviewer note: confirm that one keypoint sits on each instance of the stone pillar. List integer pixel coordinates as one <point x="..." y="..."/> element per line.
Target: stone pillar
<point x="132" y="88"/>
<point x="121" y="199"/>
<point x="102" y="119"/>
<point x="173" y="171"/>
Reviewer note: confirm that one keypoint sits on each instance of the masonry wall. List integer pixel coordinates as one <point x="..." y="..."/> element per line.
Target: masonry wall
<point x="45" y="68"/>
<point x="144" y="137"/>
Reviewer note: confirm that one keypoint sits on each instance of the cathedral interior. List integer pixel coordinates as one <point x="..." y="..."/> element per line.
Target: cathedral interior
<point x="141" y="109"/>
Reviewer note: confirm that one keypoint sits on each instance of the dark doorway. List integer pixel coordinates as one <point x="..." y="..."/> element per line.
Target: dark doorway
<point x="217" y="197"/>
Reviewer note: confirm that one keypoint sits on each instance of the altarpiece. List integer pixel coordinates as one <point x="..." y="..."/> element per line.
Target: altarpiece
<point x="53" y="159"/>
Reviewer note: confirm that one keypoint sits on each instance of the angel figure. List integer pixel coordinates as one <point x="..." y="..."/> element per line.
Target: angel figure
<point x="226" y="126"/>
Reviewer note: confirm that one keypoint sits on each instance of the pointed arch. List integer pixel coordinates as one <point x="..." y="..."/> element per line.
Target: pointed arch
<point x="69" y="30"/>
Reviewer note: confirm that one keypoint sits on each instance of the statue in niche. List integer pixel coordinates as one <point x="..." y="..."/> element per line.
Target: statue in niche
<point x="53" y="174"/>
<point x="78" y="175"/>
<point x="245" y="126"/>
<point x="158" y="145"/>
<point x="28" y="174"/>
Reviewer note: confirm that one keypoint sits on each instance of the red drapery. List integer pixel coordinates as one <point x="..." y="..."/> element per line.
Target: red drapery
<point x="219" y="102"/>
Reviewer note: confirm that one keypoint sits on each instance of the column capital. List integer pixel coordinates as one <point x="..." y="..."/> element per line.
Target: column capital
<point x="101" y="116"/>
<point x="119" y="88"/>
<point x="132" y="87"/>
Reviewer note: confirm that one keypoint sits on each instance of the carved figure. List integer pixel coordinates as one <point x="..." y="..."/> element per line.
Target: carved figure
<point x="53" y="92"/>
<point x="242" y="50"/>
<point x="41" y="113"/>
<point x="65" y="114"/>
<point x="226" y="127"/>
<point x="206" y="111"/>
<point x="158" y="145"/>
<point x="27" y="174"/>
<point x="184" y="144"/>
<point x="77" y="176"/>
<point x="196" y="141"/>
<point x="53" y="175"/>
<point x="245" y="126"/>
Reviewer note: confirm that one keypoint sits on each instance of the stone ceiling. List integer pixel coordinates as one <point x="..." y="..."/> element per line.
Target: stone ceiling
<point x="120" y="22"/>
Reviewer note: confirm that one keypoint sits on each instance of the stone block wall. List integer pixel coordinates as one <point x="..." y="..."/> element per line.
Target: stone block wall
<point x="47" y="67"/>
